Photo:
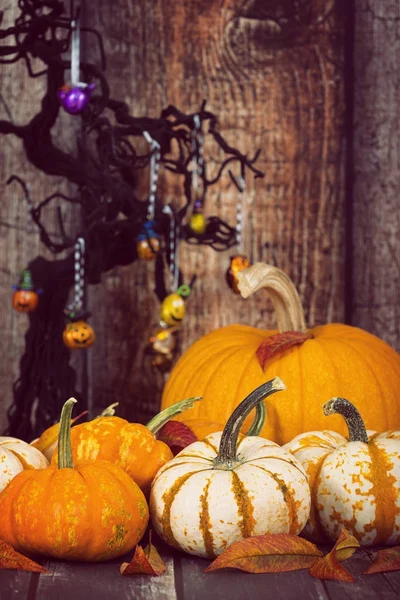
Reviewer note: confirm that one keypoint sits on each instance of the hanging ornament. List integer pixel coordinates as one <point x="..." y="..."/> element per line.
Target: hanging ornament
<point x="197" y="221"/>
<point x="164" y="341"/>
<point x="238" y="261"/>
<point x="25" y="298"/>
<point x="163" y="344"/>
<point x="148" y="241"/>
<point x="75" y="96"/>
<point x="78" y="333"/>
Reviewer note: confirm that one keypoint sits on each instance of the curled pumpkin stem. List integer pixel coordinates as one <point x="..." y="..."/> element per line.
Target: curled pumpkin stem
<point x="64" y="436"/>
<point x="354" y="422"/>
<point x="227" y="456"/>
<point x="166" y="415"/>
<point x="282" y="291"/>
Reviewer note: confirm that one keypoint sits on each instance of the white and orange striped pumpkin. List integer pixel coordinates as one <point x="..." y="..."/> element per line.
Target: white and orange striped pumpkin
<point x="16" y="456"/>
<point x="355" y="482"/>
<point x="216" y="492"/>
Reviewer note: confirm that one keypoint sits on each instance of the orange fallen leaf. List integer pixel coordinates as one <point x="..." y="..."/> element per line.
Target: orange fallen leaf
<point x="145" y="562"/>
<point x="176" y="435"/>
<point x="271" y="553"/>
<point x="388" y="560"/>
<point x="329" y="566"/>
<point x="11" y="559"/>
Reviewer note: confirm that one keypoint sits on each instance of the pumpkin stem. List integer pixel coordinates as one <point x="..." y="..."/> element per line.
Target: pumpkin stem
<point x="227" y="457"/>
<point x="166" y="415"/>
<point x="282" y="291"/>
<point x="64" y="436"/>
<point x="259" y="420"/>
<point x="109" y="411"/>
<point x="354" y="422"/>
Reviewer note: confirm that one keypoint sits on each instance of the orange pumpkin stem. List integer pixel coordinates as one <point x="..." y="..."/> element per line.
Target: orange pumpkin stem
<point x="166" y="415"/>
<point x="282" y="291"/>
<point x="64" y="436"/>
<point x="227" y="457"/>
<point x="354" y="422"/>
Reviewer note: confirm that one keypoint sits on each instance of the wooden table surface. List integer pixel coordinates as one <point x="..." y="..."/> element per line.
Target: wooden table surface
<point x="185" y="580"/>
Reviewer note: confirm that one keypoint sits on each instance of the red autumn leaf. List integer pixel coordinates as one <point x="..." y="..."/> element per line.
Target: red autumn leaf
<point x="271" y="553"/>
<point x="329" y="566"/>
<point x="388" y="560"/>
<point x="278" y="343"/>
<point x="145" y="562"/>
<point x="11" y="559"/>
<point x="176" y="435"/>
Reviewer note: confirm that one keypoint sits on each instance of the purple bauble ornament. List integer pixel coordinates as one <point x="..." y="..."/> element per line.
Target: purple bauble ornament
<point x="75" y="98"/>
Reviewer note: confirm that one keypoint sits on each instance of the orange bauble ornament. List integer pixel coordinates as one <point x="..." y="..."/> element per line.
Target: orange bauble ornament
<point x="325" y="361"/>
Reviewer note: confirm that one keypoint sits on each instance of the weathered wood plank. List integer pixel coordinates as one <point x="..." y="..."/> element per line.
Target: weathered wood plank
<point x="376" y="177"/>
<point x="104" y="581"/>
<point x="17" y="585"/>
<point x="237" y="585"/>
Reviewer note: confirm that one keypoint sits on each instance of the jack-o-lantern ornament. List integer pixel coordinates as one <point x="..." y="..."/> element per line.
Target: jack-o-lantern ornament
<point x="238" y="262"/>
<point x="78" y="333"/>
<point x="147" y="242"/>
<point x="25" y="298"/>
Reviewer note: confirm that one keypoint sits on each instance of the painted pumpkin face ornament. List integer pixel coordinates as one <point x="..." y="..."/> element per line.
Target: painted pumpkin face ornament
<point x="25" y="297"/>
<point x="173" y="306"/>
<point x="78" y="333"/>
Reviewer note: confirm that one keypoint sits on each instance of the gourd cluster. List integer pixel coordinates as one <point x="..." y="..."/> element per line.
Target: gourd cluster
<point x="87" y="492"/>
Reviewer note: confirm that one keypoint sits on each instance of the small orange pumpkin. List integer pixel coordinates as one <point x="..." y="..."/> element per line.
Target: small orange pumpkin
<point x="131" y="446"/>
<point x="92" y="511"/>
<point x="316" y="363"/>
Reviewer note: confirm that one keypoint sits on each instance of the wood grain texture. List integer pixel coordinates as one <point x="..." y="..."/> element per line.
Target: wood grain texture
<point x="376" y="203"/>
<point x="185" y="580"/>
<point x="273" y="73"/>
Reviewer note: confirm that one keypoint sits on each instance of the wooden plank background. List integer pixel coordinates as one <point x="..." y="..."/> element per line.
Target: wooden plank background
<point x="275" y="75"/>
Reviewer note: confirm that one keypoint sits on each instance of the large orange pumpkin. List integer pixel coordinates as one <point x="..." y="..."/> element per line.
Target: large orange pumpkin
<point x="328" y="360"/>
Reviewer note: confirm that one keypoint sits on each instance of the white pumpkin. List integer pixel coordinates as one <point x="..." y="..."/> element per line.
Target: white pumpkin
<point x="355" y="482"/>
<point x="16" y="456"/>
<point x="216" y="492"/>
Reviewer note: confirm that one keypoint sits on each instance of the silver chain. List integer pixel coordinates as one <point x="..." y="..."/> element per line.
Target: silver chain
<point x="197" y="151"/>
<point x="173" y="249"/>
<point x="79" y="273"/>
<point x="154" y="170"/>
<point x="239" y="214"/>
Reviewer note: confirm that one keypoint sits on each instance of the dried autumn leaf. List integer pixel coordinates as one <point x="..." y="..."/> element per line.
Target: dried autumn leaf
<point x="271" y="553"/>
<point x="329" y="566"/>
<point x="388" y="560"/>
<point x="145" y="562"/>
<point x="11" y="559"/>
<point x="278" y="343"/>
<point x="176" y="435"/>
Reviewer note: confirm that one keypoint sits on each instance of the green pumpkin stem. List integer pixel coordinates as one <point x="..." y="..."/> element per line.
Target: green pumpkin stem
<point x="281" y="290"/>
<point x="64" y="436"/>
<point x="109" y="411"/>
<point x="227" y="457"/>
<point x="354" y="422"/>
<point x="259" y="420"/>
<point x="166" y="415"/>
